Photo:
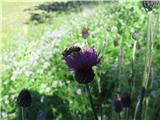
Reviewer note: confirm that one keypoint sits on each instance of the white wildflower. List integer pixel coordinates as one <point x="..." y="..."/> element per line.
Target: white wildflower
<point x="78" y="91"/>
<point x="13" y="78"/>
<point x="46" y="65"/>
<point x="4" y="114"/>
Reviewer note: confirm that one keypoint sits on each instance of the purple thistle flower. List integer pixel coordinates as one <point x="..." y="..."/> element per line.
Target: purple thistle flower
<point x="126" y="99"/>
<point x="117" y="106"/>
<point x="81" y="62"/>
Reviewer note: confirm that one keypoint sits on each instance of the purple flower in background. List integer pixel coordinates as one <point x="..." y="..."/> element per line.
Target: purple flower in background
<point x="154" y="93"/>
<point x="135" y="35"/>
<point x="81" y="62"/>
<point x="126" y="99"/>
<point x="117" y="106"/>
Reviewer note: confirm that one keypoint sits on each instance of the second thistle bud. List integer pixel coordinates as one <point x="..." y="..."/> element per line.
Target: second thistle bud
<point x="117" y="106"/>
<point x="126" y="99"/>
<point x="135" y="35"/>
<point x="85" y="33"/>
<point x="24" y="99"/>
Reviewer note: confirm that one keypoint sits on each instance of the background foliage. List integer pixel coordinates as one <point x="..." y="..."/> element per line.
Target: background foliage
<point x="31" y="58"/>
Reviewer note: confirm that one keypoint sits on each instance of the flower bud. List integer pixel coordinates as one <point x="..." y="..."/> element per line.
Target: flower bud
<point x="84" y="76"/>
<point x="115" y="42"/>
<point x="117" y="106"/>
<point x="135" y="35"/>
<point x="24" y="99"/>
<point x="126" y="99"/>
<point x="85" y="33"/>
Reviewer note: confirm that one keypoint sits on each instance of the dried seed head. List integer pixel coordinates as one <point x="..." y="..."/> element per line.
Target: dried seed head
<point x="150" y="4"/>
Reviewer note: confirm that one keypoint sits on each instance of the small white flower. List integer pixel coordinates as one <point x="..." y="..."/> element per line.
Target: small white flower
<point x="43" y="86"/>
<point x="99" y="118"/>
<point x="13" y="78"/>
<point x="46" y="65"/>
<point x="42" y="99"/>
<point x="110" y="16"/>
<point x="48" y="89"/>
<point x="120" y="52"/>
<point x="120" y="20"/>
<point x="32" y="80"/>
<point x="120" y="60"/>
<point x="13" y="97"/>
<point x="78" y="91"/>
<point x="28" y="73"/>
<point x="154" y="93"/>
<point x="4" y="114"/>
<point x="6" y="102"/>
<point x="154" y="82"/>
<point x="115" y="65"/>
<point x="49" y="55"/>
<point x="40" y="71"/>
<point x="60" y="83"/>
<point x="71" y="101"/>
<point x="114" y="28"/>
<point x="55" y="50"/>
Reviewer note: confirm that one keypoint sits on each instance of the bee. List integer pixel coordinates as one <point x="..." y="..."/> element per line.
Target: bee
<point x="71" y="50"/>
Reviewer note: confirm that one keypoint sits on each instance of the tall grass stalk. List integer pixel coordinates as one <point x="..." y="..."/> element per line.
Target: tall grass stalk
<point x="148" y="61"/>
<point x="139" y="111"/>
<point x="132" y="84"/>
<point x="156" y="25"/>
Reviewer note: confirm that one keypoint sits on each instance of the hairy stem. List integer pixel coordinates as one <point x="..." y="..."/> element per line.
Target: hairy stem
<point x="23" y="117"/>
<point x="91" y="102"/>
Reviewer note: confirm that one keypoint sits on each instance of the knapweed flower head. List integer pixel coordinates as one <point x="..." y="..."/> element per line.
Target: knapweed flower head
<point x="117" y="106"/>
<point x="126" y="99"/>
<point x="81" y="62"/>
<point x="150" y="4"/>
<point x="24" y="99"/>
<point x="85" y="33"/>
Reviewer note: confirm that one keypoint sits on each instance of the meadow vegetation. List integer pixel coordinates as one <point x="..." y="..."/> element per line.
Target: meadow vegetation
<point x="34" y="36"/>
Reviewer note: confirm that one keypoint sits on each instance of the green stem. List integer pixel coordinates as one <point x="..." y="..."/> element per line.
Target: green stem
<point x="125" y="113"/>
<point x="23" y="117"/>
<point x="139" y="106"/>
<point x="99" y="92"/>
<point x="128" y="113"/>
<point x="91" y="102"/>
<point x="119" y="115"/>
